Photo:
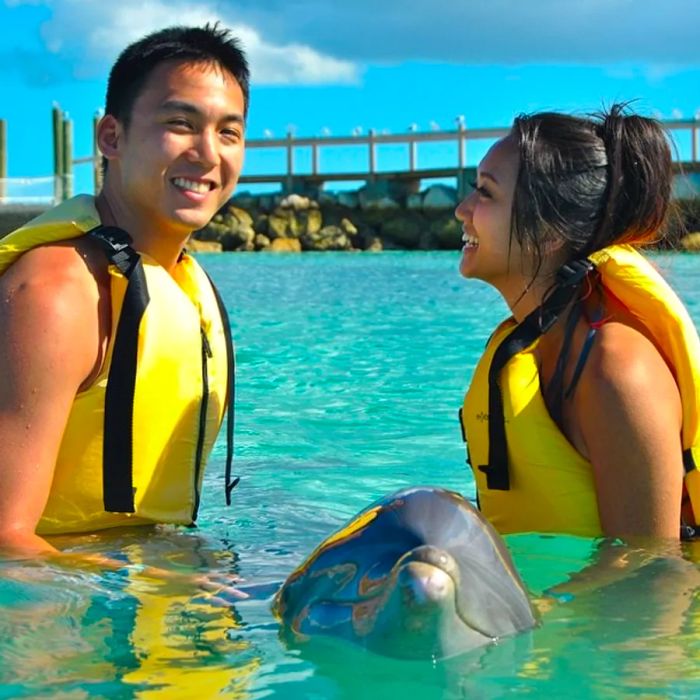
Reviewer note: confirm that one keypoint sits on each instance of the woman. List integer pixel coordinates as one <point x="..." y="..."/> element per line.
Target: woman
<point x="582" y="415"/>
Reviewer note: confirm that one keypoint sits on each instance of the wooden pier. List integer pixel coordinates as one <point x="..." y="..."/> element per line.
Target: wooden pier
<point x="292" y="178"/>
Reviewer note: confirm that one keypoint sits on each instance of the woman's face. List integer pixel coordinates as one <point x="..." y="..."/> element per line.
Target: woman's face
<point x="488" y="253"/>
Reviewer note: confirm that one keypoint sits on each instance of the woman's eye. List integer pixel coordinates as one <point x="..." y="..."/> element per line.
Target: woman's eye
<point x="481" y="190"/>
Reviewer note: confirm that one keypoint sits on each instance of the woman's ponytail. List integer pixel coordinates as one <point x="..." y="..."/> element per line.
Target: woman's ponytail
<point x="639" y="178"/>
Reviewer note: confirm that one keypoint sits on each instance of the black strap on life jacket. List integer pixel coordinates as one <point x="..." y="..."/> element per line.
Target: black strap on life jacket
<point x="117" y="453"/>
<point x="689" y="532"/>
<point x="689" y="461"/>
<point x="538" y="322"/>
<point x="229" y="483"/>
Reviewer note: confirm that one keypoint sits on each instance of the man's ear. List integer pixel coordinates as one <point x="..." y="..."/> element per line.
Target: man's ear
<point x="109" y="136"/>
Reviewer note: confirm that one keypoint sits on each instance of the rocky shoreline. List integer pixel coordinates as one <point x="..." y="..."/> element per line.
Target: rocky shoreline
<point x="380" y="216"/>
<point x="372" y="219"/>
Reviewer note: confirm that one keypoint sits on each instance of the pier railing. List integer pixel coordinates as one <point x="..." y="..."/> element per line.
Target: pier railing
<point x="291" y="177"/>
<point x="460" y="137"/>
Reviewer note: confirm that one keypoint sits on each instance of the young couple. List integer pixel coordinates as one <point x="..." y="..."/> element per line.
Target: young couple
<point x="115" y="357"/>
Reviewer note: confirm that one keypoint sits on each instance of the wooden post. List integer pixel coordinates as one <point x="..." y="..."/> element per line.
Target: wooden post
<point x="314" y="158"/>
<point x="57" y="123"/>
<point x="3" y="159"/>
<point x="67" y="128"/>
<point x="462" y="185"/>
<point x="290" y="161"/>
<point x="97" y="157"/>
<point x="372" y="155"/>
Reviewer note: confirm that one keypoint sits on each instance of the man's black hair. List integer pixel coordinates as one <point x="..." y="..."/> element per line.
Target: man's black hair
<point x="208" y="44"/>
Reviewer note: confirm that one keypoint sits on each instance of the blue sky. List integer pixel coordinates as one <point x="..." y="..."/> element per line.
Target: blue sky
<point x="332" y="66"/>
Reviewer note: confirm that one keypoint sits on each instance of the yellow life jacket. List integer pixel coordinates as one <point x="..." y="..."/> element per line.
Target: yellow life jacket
<point x="549" y="485"/>
<point x="136" y="441"/>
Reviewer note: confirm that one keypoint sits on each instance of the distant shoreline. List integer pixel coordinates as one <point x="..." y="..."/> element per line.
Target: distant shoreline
<point x="371" y="219"/>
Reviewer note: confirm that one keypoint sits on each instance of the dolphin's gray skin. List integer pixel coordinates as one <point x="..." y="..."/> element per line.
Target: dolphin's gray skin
<point x="418" y="574"/>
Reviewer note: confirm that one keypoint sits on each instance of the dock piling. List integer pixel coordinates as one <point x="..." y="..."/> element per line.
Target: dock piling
<point x="3" y="160"/>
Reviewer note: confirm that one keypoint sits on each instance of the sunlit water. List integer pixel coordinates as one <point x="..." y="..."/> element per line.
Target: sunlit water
<point x="351" y="369"/>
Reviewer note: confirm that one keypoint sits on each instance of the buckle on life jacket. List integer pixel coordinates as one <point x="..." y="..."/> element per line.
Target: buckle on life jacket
<point x="688" y="533"/>
<point x="572" y="273"/>
<point x="117" y="244"/>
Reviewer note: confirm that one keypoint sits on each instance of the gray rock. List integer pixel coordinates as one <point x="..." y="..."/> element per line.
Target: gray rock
<point x="283" y="223"/>
<point x="240" y="239"/>
<point x="296" y="202"/>
<point x="414" y="202"/>
<point x="235" y="217"/>
<point x="373" y="244"/>
<point x="261" y="242"/>
<point x="447" y="232"/>
<point x="381" y="195"/>
<point x="348" y="227"/>
<point x="350" y="200"/>
<point x="328" y="238"/>
<point x="440" y="197"/>
<point x="691" y="242"/>
<point x="266" y="202"/>
<point x="403" y="230"/>
<point x="310" y="221"/>
<point x="327" y="199"/>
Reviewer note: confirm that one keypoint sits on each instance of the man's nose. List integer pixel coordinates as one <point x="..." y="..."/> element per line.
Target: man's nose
<point x="206" y="148"/>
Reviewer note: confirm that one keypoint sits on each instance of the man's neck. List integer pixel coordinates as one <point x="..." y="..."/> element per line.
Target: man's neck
<point x="148" y="237"/>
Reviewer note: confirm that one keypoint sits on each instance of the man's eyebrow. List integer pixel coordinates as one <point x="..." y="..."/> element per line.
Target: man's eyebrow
<point x="189" y="108"/>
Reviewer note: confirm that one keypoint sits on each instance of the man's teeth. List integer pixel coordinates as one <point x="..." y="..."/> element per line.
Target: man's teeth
<point x="192" y="185"/>
<point x="471" y="241"/>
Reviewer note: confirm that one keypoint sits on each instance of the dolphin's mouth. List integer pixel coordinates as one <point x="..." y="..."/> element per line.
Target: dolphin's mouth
<point x="433" y="583"/>
<point x="422" y="582"/>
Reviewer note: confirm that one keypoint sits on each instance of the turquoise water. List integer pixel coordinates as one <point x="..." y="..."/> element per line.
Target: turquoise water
<point x="351" y="369"/>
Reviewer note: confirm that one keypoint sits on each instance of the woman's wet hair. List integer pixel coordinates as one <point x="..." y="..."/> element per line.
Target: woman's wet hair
<point x="589" y="182"/>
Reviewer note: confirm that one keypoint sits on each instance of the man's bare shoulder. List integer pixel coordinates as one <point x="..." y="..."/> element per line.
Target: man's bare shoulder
<point x="52" y="300"/>
<point x="63" y="265"/>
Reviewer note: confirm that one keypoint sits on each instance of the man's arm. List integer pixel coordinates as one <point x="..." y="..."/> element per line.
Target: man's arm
<point x="49" y="345"/>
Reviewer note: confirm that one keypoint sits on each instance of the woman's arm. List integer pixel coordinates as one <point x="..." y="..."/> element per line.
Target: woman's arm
<point x="628" y="414"/>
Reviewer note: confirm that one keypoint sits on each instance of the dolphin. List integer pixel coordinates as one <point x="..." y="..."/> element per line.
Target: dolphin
<point x="418" y="574"/>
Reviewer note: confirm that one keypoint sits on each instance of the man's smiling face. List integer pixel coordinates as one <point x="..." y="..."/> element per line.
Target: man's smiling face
<point x="179" y="158"/>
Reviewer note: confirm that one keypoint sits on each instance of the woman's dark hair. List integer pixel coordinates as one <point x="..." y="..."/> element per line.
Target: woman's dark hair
<point x="208" y="44"/>
<point x="589" y="182"/>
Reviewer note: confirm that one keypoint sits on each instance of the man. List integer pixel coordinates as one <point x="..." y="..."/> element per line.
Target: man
<point x="114" y="361"/>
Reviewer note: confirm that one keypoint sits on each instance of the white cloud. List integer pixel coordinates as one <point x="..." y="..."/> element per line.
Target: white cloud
<point x="504" y="32"/>
<point x="91" y="35"/>
<point x="327" y="41"/>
